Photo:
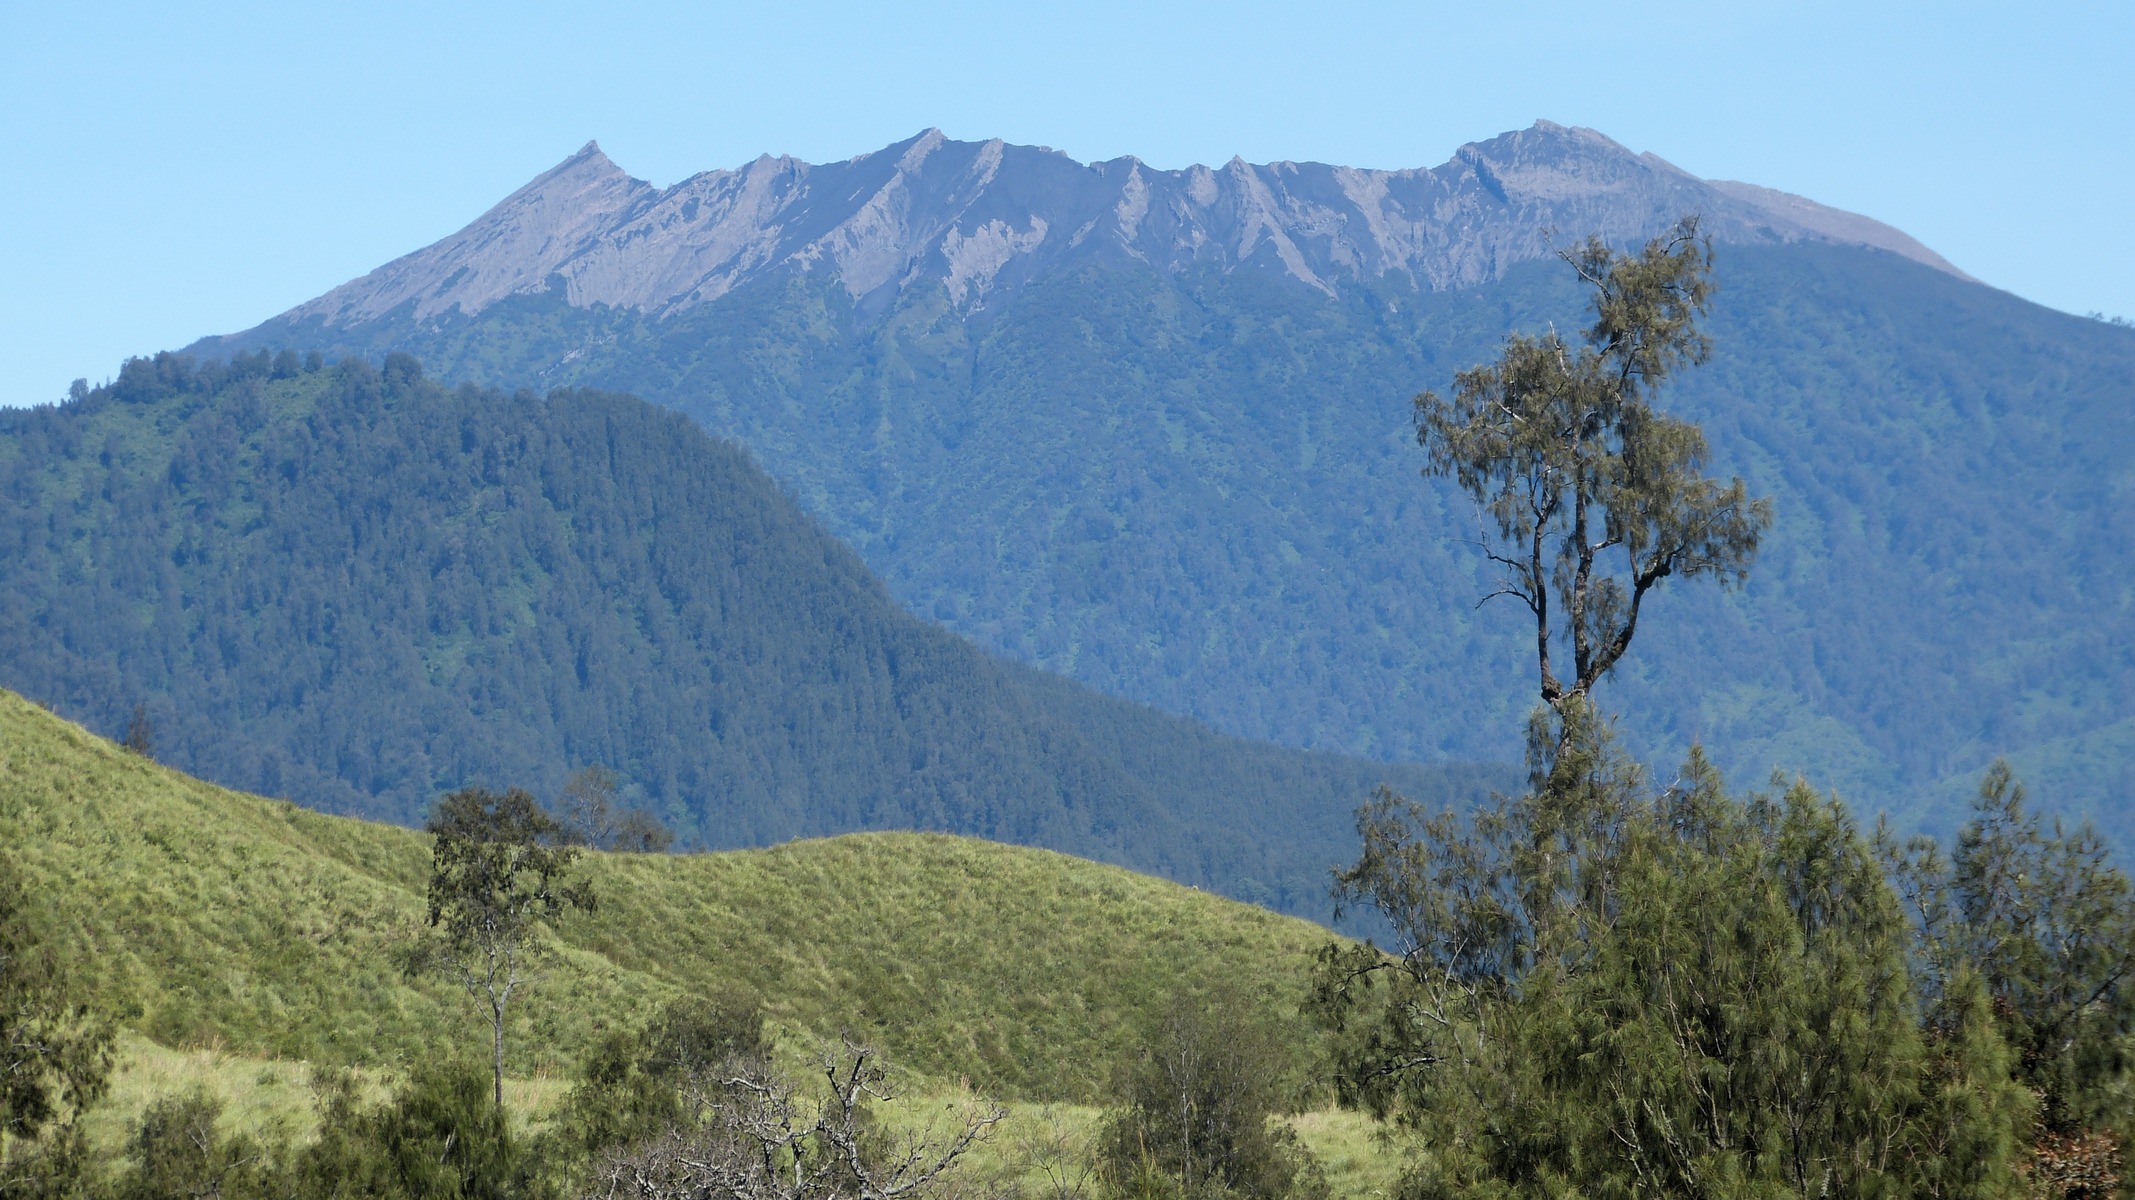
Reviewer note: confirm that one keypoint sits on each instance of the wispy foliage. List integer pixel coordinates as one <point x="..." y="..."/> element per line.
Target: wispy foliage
<point x="1657" y="992"/>
<point x="497" y="880"/>
<point x="1593" y="495"/>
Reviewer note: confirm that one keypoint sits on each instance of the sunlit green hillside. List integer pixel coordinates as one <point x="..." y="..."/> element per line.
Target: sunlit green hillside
<point x="203" y="916"/>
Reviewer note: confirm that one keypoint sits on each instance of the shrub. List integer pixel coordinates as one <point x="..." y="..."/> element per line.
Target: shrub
<point x="1196" y="1109"/>
<point x="632" y="1085"/>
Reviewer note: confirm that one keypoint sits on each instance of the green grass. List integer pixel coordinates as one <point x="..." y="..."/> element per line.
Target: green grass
<point x="270" y="1099"/>
<point x="1040" y="1142"/>
<point x="242" y="940"/>
<point x="209" y="920"/>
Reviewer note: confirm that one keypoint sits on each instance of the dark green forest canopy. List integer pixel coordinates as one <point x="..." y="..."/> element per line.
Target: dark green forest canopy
<point x="1201" y="492"/>
<point x="357" y="589"/>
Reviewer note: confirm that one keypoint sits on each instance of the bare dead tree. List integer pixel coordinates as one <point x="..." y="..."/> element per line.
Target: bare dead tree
<point x="585" y="811"/>
<point x="587" y="814"/>
<point x="141" y="733"/>
<point x="1061" y="1161"/>
<point x="757" y="1138"/>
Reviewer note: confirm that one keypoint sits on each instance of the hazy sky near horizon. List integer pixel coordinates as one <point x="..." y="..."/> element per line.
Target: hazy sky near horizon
<point x="180" y="170"/>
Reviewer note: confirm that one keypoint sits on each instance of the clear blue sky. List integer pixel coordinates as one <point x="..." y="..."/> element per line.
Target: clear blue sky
<point x="183" y="169"/>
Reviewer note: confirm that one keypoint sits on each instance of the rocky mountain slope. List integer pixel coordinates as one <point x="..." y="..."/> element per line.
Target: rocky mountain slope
<point x="979" y="217"/>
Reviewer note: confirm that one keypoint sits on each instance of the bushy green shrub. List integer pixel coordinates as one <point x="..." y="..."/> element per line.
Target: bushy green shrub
<point x="1196" y="1108"/>
<point x="177" y="1151"/>
<point x="439" y="1137"/>
<point x="1631" y="992"/>
<point x="631" y="1086"/>
<point x="58" y="1053"/>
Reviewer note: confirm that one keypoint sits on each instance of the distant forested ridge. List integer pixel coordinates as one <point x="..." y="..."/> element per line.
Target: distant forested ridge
<point x="1199" y="490"/>
<point x="356" y="588"/>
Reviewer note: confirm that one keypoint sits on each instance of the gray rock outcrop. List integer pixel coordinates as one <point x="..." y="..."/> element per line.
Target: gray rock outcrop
<point x="977" y="217"/>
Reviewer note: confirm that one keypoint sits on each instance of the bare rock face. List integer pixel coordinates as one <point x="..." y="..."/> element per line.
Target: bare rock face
<point x="978" y="217"/>
<point x="1838" y="225"/>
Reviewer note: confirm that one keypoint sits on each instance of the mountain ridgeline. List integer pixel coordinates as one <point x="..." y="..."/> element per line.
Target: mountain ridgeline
<point x="980" y="220"/>
<point x="1150" y="429"/>
<point x="357" y="588"/>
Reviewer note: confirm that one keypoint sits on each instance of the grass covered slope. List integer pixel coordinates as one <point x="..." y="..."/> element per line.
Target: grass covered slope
<point x="203" y="916"/>
<point x="360" y="589"/>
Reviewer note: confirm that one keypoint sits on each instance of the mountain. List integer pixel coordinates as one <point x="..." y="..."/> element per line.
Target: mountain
<point x="203" y="917"/>
<point x="980" y="218"/>
<point x="1150" y="429"/>
<point x="357" y="589"/>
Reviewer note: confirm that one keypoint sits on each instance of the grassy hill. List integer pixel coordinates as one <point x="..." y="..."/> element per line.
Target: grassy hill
<point x="206" y="917"/>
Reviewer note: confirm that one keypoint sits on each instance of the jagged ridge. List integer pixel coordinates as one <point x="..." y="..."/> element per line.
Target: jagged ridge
<point x="977" y="217"/>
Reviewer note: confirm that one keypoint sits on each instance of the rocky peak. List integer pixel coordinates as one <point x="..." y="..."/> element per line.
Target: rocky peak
<point x="1834" y="224"/>
<point x="978" y="217"/>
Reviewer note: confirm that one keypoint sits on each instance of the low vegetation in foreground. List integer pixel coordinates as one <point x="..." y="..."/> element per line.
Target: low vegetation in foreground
<point x="257" y="951"/>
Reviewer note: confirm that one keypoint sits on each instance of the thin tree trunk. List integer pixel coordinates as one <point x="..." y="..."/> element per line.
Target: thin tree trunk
<point x="497" y="1053"/>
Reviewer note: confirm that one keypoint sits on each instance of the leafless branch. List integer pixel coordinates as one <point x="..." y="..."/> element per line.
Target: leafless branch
<point x="757" y="1139"/>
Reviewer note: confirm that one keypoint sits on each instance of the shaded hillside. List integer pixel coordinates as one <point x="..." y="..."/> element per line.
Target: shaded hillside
<point x="203" y="916"/>
<point x="358" y="589"/>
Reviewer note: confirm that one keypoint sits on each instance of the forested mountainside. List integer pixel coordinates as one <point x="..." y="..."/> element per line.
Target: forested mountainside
<point x="356" y="589"/>
<point x="1172" y="458"/>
